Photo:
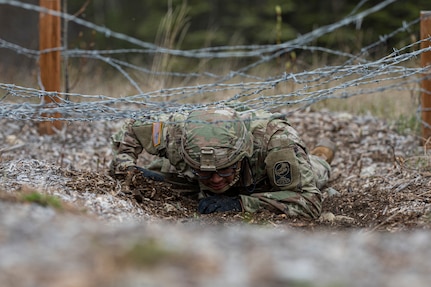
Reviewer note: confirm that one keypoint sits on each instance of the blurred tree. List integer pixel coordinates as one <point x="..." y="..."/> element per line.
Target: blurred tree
<point x="212" y="22"/>
<point x="15" y="27"/>
<point x="222" y="22"/>
<point x="250" y="21"/>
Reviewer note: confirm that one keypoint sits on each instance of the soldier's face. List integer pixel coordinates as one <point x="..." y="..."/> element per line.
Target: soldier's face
<point x="219" y="180"/>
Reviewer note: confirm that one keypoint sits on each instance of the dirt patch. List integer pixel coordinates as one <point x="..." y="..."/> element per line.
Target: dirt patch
<point x="374" y="229"/>
<point x="378" y="181"/>
<point x="377" y="205"/>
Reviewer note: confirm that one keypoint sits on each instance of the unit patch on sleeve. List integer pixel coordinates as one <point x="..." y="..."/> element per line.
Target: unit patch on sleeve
<point x="157" y="133"/>
<point x="282" y="173"/>
<point x="283" y="170"/>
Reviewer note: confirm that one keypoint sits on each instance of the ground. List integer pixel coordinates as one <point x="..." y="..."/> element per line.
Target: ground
<point x="380" y="186"/>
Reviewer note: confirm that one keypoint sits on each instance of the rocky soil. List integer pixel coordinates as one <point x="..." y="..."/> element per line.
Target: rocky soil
<point x="65" y="222"/>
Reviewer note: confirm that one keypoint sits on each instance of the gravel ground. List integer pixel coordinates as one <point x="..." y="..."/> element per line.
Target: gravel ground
<point x="373" y="232"/>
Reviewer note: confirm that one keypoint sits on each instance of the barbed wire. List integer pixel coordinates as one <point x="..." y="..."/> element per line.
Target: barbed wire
<point x="291" y="91"/>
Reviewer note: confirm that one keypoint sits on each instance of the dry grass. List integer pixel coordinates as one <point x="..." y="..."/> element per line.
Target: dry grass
<point x="94" y="78"/>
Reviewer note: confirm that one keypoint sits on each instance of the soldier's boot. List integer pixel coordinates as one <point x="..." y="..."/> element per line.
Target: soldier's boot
<point x="325" y="149"/>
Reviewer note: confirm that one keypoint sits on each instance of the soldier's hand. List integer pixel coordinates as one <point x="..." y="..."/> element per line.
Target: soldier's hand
<point x="132" y="171"/>
<point x="219" y="203"/>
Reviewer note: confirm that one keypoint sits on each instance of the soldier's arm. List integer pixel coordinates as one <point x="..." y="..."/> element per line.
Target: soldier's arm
<point x="126" y="148"/>
<point x="289" y="171"/>
<point x="136" y="136"/>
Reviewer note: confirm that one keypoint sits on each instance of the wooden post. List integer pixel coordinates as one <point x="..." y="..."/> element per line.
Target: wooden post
<point x="50" y="37"/>
<point x="425" y="28"/>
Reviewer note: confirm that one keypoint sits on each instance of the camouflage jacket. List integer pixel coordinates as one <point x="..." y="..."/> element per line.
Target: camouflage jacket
<point x="294" y="191"/>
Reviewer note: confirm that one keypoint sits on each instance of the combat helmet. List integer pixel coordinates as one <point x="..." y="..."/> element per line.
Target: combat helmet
<point x="215" y="138"/>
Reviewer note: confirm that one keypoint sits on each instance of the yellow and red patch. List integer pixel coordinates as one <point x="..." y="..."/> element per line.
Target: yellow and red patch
<point x="157" y="133"/>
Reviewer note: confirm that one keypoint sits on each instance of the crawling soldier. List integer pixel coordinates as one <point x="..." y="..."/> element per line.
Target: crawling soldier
<point x="241" y="161"/>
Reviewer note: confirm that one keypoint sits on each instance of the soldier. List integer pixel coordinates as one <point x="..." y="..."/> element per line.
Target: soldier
<point x="242" y="161"/>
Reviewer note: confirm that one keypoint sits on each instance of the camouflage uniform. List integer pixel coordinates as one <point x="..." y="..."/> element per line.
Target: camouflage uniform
<point x="278" y="172"/>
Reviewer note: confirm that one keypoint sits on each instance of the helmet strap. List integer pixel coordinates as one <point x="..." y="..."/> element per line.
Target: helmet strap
<point x="248" y="179"/>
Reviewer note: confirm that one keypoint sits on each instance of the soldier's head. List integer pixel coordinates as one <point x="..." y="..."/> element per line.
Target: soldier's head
<point x="214" y="142"/>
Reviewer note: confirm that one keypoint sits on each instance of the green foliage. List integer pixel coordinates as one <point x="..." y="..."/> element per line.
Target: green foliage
<point x="43" y="199"/>
<point x="406" y="124"/>
<point x="147" y="253"/>
<point x="418" y="163"/>
<point x="214" y="23"/>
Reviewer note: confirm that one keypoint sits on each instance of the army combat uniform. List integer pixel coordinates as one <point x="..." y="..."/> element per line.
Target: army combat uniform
<point x="277" y="170"/>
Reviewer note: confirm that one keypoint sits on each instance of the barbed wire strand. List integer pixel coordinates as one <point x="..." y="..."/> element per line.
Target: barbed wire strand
<point x="357" y="75"/>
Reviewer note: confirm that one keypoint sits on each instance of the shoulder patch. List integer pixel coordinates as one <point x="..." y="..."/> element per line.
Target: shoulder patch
<point x="157" y="133"/>
<point x="283" y="169"/>
<point x="282" y="173"/>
